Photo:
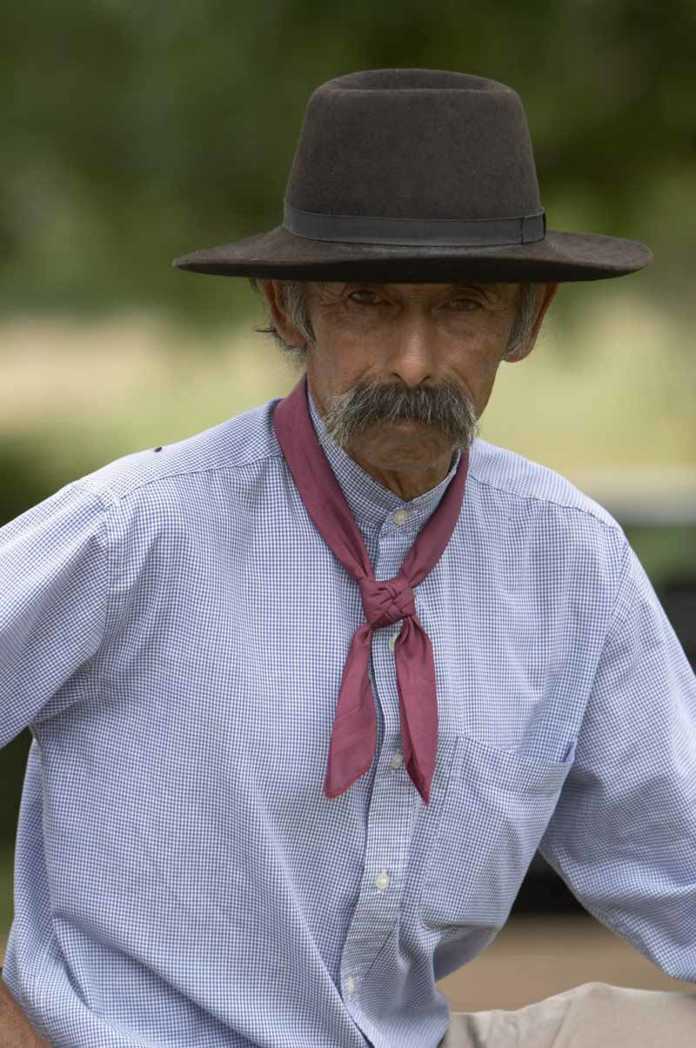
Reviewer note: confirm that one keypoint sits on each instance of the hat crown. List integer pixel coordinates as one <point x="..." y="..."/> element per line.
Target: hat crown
<point x="422" y="144"/>
<point x="416" y="175"/>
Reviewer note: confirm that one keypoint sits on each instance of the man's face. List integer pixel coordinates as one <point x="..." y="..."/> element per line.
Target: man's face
<point x="401" y="372"/>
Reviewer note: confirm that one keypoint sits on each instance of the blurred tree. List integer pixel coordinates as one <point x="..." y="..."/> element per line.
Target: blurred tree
<point x="137" y="132"/>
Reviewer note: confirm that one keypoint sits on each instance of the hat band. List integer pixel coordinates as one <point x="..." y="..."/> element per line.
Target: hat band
<point x="434" y="232"/>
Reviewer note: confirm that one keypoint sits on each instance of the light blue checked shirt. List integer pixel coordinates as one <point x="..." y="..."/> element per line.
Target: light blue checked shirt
<point x="173" y="630"/>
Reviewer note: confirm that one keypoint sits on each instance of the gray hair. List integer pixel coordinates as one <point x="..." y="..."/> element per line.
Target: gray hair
<point x="292" y="296"/>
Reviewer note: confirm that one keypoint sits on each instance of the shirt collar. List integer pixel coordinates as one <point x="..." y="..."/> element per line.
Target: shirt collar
<point x="371" y="502"/>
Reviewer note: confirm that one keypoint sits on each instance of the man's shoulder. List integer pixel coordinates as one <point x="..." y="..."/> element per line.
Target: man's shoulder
<point x="520" y="482"/>
<point x="238" y="446"/>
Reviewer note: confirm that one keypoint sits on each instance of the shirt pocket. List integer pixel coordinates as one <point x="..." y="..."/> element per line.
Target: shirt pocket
<point x="494" y="814"/>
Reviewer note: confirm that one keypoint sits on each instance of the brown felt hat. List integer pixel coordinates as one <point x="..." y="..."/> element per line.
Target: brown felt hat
<point x="420" y="175"/>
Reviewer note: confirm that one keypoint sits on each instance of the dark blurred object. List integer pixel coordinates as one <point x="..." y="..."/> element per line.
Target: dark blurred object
<point x="25" y="477"/>
<point x="543" y="891"/>
<point x="660" y="524"/>
<point x="678" y="598"/>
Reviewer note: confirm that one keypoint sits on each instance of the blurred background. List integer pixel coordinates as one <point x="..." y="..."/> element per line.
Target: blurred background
<point x="137" y="132"/>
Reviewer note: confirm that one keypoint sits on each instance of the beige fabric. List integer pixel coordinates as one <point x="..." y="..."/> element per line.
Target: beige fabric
<point x="592" y="1015"/>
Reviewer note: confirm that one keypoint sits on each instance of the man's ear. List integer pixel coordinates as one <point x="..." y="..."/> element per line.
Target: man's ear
<point x="271" y="291"/>
<point x="546" y="297"/>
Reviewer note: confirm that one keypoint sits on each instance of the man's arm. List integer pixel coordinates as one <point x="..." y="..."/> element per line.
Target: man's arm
<point x="15" y="1029"/>
<point x="54" y="581"/>
<point x="623" y="835"/>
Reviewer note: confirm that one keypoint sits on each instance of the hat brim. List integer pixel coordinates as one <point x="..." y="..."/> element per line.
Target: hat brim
<point x="281" y="255"/>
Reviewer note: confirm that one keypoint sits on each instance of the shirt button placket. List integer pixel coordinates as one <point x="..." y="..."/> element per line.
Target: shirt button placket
<point x="377" y="906"/>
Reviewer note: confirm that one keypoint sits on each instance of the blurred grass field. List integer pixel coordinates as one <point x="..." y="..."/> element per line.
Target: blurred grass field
<point x="607" y="401"/>
<point x="615" y="391"/>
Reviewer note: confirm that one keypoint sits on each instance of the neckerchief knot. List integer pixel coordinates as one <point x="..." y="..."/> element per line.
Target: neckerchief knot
<point x="386" y="602"/>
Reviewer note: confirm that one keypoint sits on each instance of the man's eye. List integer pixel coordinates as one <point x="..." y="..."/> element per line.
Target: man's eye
<point x="362" y="293"/>
<point x="460" y="304"/>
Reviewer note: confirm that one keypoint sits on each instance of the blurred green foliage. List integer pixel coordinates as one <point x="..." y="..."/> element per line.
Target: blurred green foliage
<point x="136" y="132"/>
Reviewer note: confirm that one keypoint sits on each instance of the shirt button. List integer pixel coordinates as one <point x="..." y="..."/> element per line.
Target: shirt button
<point x="396" y="761"/>
<point x="400" y="516"/>
<point x="350" y="984"/>
<point x="393" y="639"/>
<point x="382" y="880"/>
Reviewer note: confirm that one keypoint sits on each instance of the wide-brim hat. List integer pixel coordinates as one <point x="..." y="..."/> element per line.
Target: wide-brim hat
<point x="421" y="175"/>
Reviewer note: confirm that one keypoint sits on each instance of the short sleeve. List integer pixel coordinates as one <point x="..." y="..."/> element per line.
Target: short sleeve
<point x="54" y="581"/>
<point x="623" y="835"/>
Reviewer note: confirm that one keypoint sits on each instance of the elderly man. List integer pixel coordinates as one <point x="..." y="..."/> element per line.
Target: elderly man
<point x="309" y="689"/>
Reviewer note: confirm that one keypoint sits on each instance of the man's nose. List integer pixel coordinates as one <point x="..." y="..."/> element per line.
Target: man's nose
<point x="412" y="350"/>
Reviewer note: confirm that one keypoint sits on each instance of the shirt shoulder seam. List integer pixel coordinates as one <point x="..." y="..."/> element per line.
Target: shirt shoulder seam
<point x="109" y="501"/>
<point x="616" y="528"/>
<point x="104" y="488"/>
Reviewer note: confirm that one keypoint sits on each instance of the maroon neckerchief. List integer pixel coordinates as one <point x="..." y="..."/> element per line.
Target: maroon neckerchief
<point x="353" y="739"/>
